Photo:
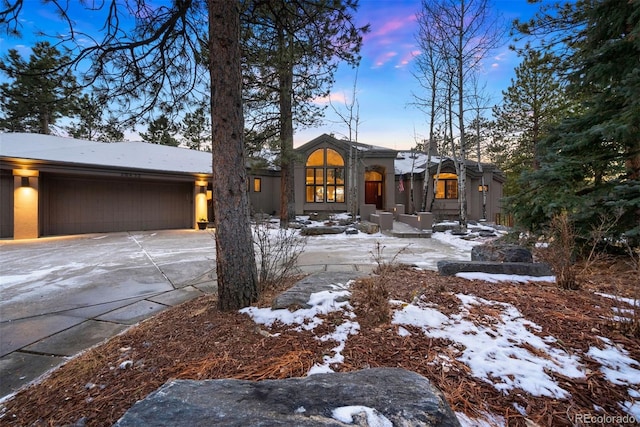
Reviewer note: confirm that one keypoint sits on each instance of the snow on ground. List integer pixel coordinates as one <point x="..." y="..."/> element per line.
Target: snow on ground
<point x="497" y="352"/>
<point x="506" y="351"/>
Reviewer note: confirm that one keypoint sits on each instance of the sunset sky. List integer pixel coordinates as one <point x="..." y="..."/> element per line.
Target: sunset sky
<point x="385" y="84"/>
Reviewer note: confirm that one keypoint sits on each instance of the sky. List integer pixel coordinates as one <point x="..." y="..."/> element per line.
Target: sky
<point x="386" y="84"/>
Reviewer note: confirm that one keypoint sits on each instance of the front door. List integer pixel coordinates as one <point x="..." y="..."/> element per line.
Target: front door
<point x="373" y="193"/>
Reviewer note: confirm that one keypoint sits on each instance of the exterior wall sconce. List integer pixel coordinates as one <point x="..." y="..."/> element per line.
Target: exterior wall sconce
<point x="25" y="175"/>
<point x="480" y="188"/>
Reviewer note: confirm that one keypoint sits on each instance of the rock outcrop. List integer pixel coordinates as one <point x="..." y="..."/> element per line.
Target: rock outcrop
<point x="380" y="397"/>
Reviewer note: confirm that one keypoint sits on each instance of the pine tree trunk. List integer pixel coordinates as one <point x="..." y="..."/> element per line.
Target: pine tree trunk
<point x="235" y="259"/>
<point x="287" y="193"/>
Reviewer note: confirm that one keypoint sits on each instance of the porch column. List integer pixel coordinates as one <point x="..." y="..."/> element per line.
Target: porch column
<point x="25" y="204"/>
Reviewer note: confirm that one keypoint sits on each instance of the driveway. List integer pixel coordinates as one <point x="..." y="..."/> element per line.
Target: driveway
<point x="62" y="295"/>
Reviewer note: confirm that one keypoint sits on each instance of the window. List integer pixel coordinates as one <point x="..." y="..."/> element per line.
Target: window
<point x="447" y="186"/>
<point x="325" y="177"/>
<point x="257" y="185"/>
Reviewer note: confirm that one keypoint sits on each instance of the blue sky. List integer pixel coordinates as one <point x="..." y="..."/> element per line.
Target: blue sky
<point x="385" y="84"/>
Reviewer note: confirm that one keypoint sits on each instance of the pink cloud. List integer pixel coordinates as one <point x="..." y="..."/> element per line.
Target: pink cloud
<point x="384" y="57"/>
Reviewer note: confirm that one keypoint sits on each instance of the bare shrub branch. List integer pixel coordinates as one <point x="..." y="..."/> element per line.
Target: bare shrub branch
<point x="277" y="251"/>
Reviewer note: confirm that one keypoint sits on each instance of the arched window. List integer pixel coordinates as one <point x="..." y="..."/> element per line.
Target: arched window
<point x="325" y="177"/>
<point x="447" y="186"/>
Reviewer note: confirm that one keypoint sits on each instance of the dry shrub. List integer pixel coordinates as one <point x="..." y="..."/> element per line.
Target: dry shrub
<point x="385" y="266"/>
<point x="628" y="321"/>
<point x="277" y="251"/>
<point x="370" y="297"/>
<point x="559" y="251"/>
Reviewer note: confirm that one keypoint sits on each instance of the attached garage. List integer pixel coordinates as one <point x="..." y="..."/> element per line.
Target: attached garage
<point x="74" y="205"/>
<point x="59" y="186"/>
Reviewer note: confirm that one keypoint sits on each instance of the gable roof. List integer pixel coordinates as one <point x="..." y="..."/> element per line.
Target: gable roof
<point x="364" y="150"/>
<point x="130" y="155"/>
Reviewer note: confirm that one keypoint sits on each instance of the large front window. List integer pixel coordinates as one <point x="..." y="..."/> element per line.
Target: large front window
<point x="446" y="186"/>
<point x="325" y="177"/>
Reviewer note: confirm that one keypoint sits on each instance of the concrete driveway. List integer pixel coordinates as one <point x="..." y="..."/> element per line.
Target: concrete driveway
<point x="61" y="295"/>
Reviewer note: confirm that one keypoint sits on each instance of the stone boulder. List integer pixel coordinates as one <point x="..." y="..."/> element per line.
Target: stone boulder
<point x="451" y="268"/>
<point x="368" y="227"/>
<point x="501" y="252"/>
<point x="323" y="229"/>
<point x="298" y="295"/>
<point x="381" y="396"/>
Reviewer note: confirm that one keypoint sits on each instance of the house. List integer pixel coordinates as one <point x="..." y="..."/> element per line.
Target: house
<point x="52" y="185"/>
<point x="483" y="187"/>
<point x="383" y="177"/>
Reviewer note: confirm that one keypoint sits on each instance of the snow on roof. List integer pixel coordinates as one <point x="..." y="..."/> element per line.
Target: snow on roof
<point x="134" y="155"/>
<point x="412" y="161"/>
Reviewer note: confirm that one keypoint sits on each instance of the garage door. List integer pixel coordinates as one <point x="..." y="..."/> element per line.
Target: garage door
<point x="71" y="205"/>
<point x="6" y="204"/>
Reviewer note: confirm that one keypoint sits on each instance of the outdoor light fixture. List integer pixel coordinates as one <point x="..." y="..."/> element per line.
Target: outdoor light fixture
<point x="24" y="175"/>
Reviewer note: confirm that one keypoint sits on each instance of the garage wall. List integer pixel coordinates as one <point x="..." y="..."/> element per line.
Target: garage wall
<point x="74" y="205"/>
<point x="6" y="204"/>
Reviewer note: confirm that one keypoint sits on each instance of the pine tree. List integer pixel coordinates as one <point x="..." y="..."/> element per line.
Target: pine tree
<point x="161" y="131"/>
<point x="41" y="92"/>
<point x="291" y="52"/>
<point x="590" y="162"/>
<point x="531" y="104"/>
<point x="196" y="130"/>
<point x="89" y="123"/>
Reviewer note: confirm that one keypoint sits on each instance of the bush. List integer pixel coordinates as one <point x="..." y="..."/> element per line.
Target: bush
<point x="277" y="251"/>
<point x="559" y="251"/>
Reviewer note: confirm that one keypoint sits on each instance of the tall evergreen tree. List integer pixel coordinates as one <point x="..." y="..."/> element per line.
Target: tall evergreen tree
<point x="590" y="163"/>
<point x="161" y="131"/>
<point x="157" y="63"/>
<point x="196" y="130"/>
<point x="89" y="123"/>
<point x="89" y="114"/>
<point x="291" y="52"/>
<point x="533" y="101"/>
<point x="42" y="90"/>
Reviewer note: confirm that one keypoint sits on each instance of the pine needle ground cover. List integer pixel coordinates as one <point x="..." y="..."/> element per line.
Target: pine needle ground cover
<point x="503" y="353"/>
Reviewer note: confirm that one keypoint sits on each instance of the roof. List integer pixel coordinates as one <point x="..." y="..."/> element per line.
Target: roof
<point x="411" y="161"/>
<point x="133" y="155"/>
<point x="365" y="150"/>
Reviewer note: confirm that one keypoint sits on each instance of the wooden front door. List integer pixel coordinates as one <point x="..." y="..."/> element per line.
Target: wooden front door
<point x="373" y="193"/>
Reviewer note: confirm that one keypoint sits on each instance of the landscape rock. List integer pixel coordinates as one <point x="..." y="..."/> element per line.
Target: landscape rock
<point x="368" y="227"/>
<point x="323" y="229"/>
<point x="451" y="268"/>
<point x="298" y="295"/>
<point x="365" y="398"/>
<point x="351" y="230"/>
<point x="501" y="252"/>
<point x="441" y="228"/>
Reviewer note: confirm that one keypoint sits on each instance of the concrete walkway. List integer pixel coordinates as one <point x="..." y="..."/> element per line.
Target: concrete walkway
<point x="60" y="296"/>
